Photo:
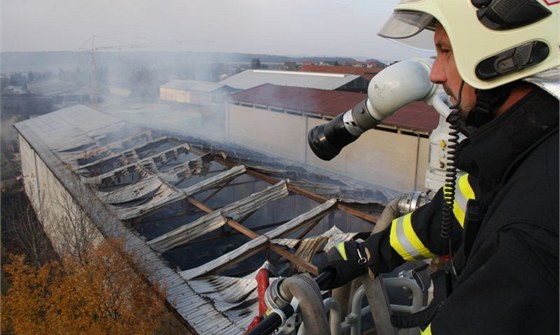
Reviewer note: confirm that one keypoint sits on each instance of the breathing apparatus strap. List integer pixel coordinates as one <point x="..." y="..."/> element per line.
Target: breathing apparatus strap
<point x="486" y="102"/>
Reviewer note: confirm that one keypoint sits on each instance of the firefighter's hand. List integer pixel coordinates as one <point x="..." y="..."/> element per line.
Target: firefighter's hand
<point x="345" y="261"/>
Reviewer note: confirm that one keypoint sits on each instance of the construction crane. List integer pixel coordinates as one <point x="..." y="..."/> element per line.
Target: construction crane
<point x="92" y="50"/>
<point x="120" y="46"/>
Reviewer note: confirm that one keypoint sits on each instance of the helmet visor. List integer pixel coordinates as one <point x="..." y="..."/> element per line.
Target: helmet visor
<point x="409" y="27"/>
<point x="404" y="24"/>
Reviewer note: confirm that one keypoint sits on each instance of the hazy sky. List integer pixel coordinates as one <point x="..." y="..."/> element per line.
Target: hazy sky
<point x="283" y="27"/>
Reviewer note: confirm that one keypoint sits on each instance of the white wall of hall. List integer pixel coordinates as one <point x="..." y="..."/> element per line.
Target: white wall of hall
<point x="394" y="160"/>
<point x="52" y="203"/>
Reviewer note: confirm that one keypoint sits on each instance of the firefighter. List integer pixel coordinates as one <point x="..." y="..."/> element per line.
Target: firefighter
<point x="498" y="60"/>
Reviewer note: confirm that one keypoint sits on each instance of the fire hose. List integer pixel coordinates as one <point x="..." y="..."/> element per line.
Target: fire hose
<point x="300" y="294"/>
<point x="283" y="311"/>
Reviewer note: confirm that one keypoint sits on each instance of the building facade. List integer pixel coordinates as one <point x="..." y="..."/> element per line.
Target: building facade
<point x="276" y="120"/>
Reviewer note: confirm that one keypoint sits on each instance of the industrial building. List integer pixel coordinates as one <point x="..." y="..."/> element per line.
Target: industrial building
<point x="205" y="203"/>
<point x="204" y="218"/>
<point x="194" y="92"/>
<point x="325" y="81"/>
<point x="393" y="156"/>
<point x="368" y="72"/>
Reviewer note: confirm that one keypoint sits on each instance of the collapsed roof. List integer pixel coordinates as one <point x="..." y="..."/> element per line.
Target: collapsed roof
<point x="204" y="218"/>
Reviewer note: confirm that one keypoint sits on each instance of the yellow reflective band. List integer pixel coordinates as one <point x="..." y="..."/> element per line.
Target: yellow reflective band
<point x="394" y="241"/>
<point x="413" y="238"/>
<point x="465" y="194"/>
<point x="342" y="250"/>
<point x="427" y="331"/>
<point x="404" y="240"/>
<point x="459" y="213"/>
<point x="465" y="187"/>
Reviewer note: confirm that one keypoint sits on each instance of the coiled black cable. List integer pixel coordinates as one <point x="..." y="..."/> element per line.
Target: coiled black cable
<point x="454" y="120"/>
<point x="450" y="176"/>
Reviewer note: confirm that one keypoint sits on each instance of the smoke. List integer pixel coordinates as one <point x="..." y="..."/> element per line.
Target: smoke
<point x="7" y="131"/>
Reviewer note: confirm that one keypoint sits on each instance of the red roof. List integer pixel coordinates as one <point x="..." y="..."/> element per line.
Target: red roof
<point x="310" y="100"/>
<point x="417" y="115"/>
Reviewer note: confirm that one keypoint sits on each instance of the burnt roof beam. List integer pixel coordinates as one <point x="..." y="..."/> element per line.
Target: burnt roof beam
<point x="219" y="179"/>
<point x="252" y="247"/>
<point x="218" y="218"/>
<point x="313" y="196"/>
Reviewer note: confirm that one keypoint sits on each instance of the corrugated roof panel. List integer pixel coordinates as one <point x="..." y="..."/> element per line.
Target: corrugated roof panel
<point x="248" y="249"/>
<point x="162" y="196"/>
<point x="417" y="116"/>
<point x="187" y="232"/>
<point x="135" y="191"/>
<point x="223" y="262"/>
<point x="253" y="78"/>
<point x="177" y="173"/>
<point x="139" y="190"/>
<point x="307" y="100"/>
<point x="216" y="180"/>
<point x="119" y="176"/>
<point x="366" y="72"/>
<point x="217" y="218"/>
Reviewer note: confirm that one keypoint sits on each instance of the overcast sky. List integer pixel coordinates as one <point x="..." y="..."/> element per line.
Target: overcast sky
<point x="282" y="27"/>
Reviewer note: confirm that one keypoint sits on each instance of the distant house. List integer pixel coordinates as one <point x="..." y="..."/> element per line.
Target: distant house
<point x="194" y="92"/>
<point x="325" y="81"/>
<point x="394" y="155"/>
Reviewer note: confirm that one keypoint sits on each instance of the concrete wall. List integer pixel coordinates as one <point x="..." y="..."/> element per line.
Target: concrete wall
<point x="274" y="133"/>
<point x="62" y="218"/>
<point x="389" y="159"/>
<point x="397" y="161"/>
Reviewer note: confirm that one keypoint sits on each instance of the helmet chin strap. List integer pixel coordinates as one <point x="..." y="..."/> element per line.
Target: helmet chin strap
<point x="486" y="102"/>
<point x="459" y="124"/>
<point x="459" y="97"/>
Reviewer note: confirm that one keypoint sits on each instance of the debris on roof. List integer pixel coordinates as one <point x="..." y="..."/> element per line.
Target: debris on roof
<point x="204" y="222"/>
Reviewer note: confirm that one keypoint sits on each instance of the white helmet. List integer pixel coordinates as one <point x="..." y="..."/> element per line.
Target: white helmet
<point x="494" y="41"/>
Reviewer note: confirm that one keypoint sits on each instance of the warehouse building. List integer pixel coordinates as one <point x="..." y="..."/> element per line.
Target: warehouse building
<point x="194" y="92"/>
<point x="394" y="155"/>
<point x="326" y="81"/>
<point x="204" y="217"/>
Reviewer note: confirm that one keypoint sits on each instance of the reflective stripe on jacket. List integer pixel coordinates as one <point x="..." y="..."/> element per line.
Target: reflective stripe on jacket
<point x="406" y="236"/>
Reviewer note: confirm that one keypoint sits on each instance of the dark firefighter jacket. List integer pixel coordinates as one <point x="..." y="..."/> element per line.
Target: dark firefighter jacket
<point x="505" y="228"/>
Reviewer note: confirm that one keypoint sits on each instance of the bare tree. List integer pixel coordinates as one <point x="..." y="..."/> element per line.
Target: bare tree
<point x="22" y="232"/>
<point x="73" y="233"/>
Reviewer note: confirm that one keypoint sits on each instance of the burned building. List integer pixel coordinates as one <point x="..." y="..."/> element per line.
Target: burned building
<point x="204" y="217"/>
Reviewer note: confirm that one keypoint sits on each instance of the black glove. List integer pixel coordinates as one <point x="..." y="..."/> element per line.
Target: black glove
<point x="345" y="261"/>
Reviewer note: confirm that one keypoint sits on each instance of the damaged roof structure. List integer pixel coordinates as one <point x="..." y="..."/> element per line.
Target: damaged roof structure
<point x="203" y="217"/>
